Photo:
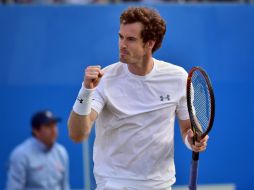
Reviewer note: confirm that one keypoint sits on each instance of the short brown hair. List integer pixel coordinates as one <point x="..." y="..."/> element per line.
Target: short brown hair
<point x="154" y="25"/>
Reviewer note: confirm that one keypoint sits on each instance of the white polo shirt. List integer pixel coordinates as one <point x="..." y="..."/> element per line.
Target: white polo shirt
<point x="135" y="126"/>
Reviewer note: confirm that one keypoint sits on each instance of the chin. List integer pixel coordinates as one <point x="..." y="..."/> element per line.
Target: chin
<point x="51" y="144"/>
<point x="123" y="60"/>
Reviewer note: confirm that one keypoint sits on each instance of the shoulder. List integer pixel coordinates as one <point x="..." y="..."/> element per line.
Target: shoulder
<point x="61" y="150"/>
<point x="169" y="68"/>
<point x="113" y="70"/>
<point x="21" y="151"/>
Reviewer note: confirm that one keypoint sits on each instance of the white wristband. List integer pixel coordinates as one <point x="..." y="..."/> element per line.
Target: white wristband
<point x="187" y="142"/>
<point x="82" y="105"/>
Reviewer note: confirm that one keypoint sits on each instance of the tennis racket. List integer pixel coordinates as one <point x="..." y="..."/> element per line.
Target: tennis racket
<point x="201" y="107"/>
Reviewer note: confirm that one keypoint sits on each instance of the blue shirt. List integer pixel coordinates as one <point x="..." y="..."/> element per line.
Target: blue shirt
<point x="33" y="166"/>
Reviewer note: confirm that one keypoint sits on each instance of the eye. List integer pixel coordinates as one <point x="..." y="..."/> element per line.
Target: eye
<point x="120" y="36"/>
<point x="132" y="39"/>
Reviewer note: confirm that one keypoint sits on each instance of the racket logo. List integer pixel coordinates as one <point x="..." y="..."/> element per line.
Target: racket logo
<point x="162" y="98"/>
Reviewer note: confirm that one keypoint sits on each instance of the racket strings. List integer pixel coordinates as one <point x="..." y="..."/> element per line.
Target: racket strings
<point x="201" y="101"/>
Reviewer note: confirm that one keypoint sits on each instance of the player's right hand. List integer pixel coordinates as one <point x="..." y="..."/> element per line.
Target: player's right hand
<point x="199" y="145"/>
<point x="92" y="76"/>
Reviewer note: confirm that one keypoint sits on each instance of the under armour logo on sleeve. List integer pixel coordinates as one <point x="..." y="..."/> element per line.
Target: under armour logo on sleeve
<point x="80" y="100"/>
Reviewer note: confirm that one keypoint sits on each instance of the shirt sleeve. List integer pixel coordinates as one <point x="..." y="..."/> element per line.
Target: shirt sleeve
<point x="98" y="99"/>
<point x="16" y="177"/>
<point x="182" y="109"/>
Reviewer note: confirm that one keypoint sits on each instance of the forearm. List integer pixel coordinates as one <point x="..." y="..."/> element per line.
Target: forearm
<point x="79" y="126"/>
<point x="187" y="135"/>
<point x="82" y="116"/>
<point x="184" y="133"/>
<point x="185" y="125"/>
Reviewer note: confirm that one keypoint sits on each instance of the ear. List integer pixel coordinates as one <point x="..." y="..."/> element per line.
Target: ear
<point x="150" y="44"/>
<point x="35" y="131"/>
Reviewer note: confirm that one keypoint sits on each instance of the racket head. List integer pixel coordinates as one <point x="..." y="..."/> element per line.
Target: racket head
<point x="200" y="102"/>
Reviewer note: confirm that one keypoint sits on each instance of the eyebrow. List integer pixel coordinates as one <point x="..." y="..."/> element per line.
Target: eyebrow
<point x="128" y="37"/>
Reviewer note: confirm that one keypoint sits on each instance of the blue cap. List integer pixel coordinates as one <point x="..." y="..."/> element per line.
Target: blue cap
<point x="43" y="118"/>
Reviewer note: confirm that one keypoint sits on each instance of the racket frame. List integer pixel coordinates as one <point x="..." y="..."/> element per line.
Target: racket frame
<point x="195" y="129"/>
<point x="189" y="102"/>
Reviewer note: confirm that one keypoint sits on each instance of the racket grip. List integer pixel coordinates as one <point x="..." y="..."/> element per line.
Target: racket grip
<point x="193" y="175"/>
<point x="195" y="155"/>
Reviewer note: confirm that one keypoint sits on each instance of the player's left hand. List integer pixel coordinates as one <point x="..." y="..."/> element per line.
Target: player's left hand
<point x="199" y="145"/>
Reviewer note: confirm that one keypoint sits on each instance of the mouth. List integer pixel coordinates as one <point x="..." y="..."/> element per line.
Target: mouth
<point x="123" y="55"/>
<point x="124" y="52"/>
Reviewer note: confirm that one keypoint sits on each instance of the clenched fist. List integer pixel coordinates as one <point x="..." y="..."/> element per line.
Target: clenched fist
<point x="92" y="76"/>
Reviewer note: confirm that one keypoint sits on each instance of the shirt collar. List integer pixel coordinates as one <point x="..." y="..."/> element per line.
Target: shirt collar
<point x="40" y="145"/>
<point x="148" y="75"/>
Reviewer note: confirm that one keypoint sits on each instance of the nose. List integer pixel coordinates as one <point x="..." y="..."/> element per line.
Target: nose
<point x="54" y="129"/>
<point x="122" y="43"/>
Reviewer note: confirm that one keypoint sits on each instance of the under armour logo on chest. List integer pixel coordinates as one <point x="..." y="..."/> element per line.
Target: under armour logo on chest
<point x="162" y="98"/>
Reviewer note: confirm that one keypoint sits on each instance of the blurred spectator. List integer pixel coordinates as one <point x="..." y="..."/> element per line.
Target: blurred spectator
<point x="31" y="1"/>
<point x="58" y="1"/>
<point x="78" y="1"/>
<point x="39" y="162"/>
<point x="86" y="1"/>
<point x="120" y="1"/>
<point x="131" y="0"/>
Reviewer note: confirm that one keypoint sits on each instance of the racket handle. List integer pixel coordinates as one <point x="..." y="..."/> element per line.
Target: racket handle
<point x="195" y="155"/>
<point x="194" y="172"/>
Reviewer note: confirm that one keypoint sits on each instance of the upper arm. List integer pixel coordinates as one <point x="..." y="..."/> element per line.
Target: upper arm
<point x="182" y="109"/>
<point x="185" y="125"/>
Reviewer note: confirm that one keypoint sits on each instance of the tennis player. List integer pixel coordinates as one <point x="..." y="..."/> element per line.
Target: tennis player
<point x="134" y="103"/>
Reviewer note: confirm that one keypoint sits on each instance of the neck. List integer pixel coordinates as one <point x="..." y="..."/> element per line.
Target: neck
<point x="142" y="68"/>
<point x="47" y="145"/>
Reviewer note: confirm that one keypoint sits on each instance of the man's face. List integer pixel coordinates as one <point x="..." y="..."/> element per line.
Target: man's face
<point x="47" y="134"/>
<point x="131" y="46"/>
